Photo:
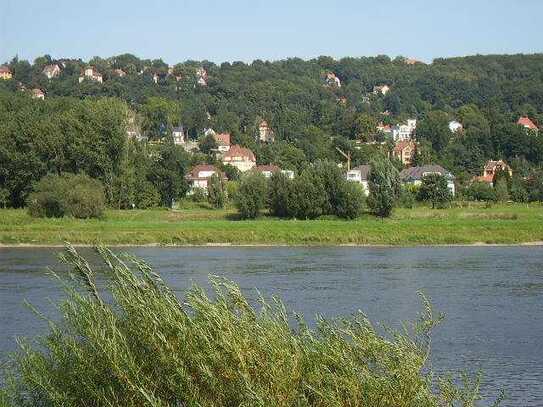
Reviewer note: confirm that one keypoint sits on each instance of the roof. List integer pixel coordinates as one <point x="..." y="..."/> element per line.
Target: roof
<point x="364" y="171"/>
<point x="222" y="138"/>
<point x="402" y="145"/>
<point x="491" y="165"/>
<point x="5" y="69"/>
<point x="526" y="122"/>
<point x="37" y="91"/>
<point x="238" y="151"/>
<point x="416" y="173"/>
<point x="269" y="167"/>
<point x="484" y="178"/>
<point x="51" y="67"/>
<point x="193" y="174"/>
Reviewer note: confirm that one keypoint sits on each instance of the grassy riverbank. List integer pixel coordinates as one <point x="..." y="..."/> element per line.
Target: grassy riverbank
<point x="500" y="224"/>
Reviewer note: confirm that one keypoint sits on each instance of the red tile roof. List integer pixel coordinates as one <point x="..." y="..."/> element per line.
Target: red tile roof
<point x="402" y="145"/>
<point x="238" y="151"/>
<point x="526" y="122"/>
<point x="223" y="138"/>
<point x="4" y="69"/>
<point x="195" y="171"/>
<point x="269" y="167"/>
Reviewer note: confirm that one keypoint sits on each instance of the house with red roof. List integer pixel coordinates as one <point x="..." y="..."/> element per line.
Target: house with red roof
<point x="405" y="151"/>
<point x="38" y="94"/>
<point x="5" y="72"/>
<point x="490" y="169"/>
<point x="223" y="141"/>
<point x="199" y="176"/>
<point x="240" y="157"/>
<point x="265" y="133"/>
<point x="527" y="123"/>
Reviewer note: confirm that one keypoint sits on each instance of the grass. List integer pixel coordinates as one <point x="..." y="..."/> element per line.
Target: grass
<point x="499" y="224"/>
<point x="135" y="343"/>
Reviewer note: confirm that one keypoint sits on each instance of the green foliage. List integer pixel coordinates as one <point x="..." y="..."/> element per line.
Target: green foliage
<point x="145" y="346"/>
<point x="434" y="189"/>
<point x="56" y="196"/>
<point x="279" y="190"/>
<point x="231" y="172"/>
<point x="250" y="198"/>
<point x="481" y="191"/>
<point x="198" y="195"/>
<point x="350" y="200"/>
<point x="502" y="190"/>
<point x="216" y="194"/>
<point x="208" y="144"/>
<point x="408" y="195"/>
<point x="307" y="195"/>
<point x="518" y="192"/>
<point x="168" y="173"/>
<point x="384" y="187"/>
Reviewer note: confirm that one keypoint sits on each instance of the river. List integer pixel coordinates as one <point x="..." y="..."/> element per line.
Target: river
<point x="492" y="296"/>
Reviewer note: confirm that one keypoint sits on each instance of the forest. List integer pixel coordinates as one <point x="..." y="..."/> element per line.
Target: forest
<point x="81" y="125"/>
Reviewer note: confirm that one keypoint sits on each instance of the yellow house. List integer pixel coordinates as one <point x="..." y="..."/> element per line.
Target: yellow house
<point x="5" y="72"/>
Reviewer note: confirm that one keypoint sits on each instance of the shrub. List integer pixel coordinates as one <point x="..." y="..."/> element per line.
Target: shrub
<point x="384" y="186"/>
<point x="250" y="198"/>
<point x="349" y="200"/>
<point x="72" y="195"/>
<point x="518" y="192"/>
<point x="408" y="196"/>
<point x="481" y="191"/>
<point x="502" y="190"/>
<point x="216" y="194"/>
<point x="307" y="196"/>
<point x="434" y="189"/>
<point x="198" y="194"/>
<point x="278" y="194"/>
<point x="143" y="346"/>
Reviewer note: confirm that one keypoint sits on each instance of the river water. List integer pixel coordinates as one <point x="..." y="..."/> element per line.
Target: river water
<point x="492" y="296"/>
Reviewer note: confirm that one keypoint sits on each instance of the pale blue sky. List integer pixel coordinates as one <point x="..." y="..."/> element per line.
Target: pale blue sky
<point x="245" y="30"/>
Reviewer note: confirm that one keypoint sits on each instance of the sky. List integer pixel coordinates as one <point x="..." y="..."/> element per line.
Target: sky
<point x="243" y="30"/>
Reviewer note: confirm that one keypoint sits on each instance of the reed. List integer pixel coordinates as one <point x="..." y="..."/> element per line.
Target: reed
<point x="134" y="343"/>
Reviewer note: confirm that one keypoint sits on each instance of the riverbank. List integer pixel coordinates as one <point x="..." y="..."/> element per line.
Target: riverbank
<point x="475" y="225"/>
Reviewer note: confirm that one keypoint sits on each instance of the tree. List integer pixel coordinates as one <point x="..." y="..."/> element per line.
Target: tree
<point x="250" y="198"/>
<point x="502" y="190"/>
<point x="278" y="194"/>
<point x="208" y="144"/>
<point x="481" y="191"/>
<point x="435" y="128"/>
<point x="434" y="189"/>
<point x="307" y="197"/>
<point x="216" y="194"/>
<point x="384" y="187"/>
<point x="168" y="173"/>
<point x="350" y="200"/>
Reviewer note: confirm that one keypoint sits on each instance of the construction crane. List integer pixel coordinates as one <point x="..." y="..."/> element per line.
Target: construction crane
<point x="347" y="156"/>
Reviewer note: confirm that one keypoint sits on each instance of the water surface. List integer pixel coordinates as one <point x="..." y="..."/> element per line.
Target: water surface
<point x="492" y="296"/>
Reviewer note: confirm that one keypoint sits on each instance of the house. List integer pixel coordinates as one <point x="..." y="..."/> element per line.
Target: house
<point x="414" y="175"/>
<point x="201" y="77"/>
<point x="384" y="128"/>
<point x="119" y="72"/>
<point x="268" y="170"/>
<point x="38" y="94"/>
<point x="209" y="131"/>
<point x="455" y="126"/>
<point x="92" y="74"/>
<point x="199" y="176"/>
<point x="360" y="175"/>
<point x="527" y="123"/>
<point x="383" y="90"/>
<point x="265" y="133"/>
<point x="5" y="72"/>
<point x="412" y="61"/>
<point x="404" y="132"/>
<point x="490" y="169"/>
<point x="51" y="71"/>
<point x="405" y="151"/>
<point x="333" y="80"/>
<point x="178" y="134"/>
<point x="240" y="157"/>
<point x="223" y="141"/>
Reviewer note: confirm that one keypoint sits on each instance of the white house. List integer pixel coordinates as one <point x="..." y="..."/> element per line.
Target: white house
<point x="455" y="126"/>
<point x="383" y="90"/>
<point x="360" y="175"/>
<point x="265" y="133"/>
<point x="92" y="74"/>
<point x="414" y="175"/>
<point x="201" y="77"/>
<point x="200" y="175"/>
<point x="178" y="134"/>
<point x="240" y="157"/>
<point x="404" y="132"/>
<point x="333" y="80"/>
<point x="51" y="71"/>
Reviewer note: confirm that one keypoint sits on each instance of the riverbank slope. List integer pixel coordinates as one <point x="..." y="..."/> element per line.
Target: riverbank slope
<point x="500" y="224"/>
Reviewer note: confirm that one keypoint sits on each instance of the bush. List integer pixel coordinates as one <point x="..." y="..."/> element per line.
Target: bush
<point x="481" y="191"/>
<point x="278" y="194"/>
<point x="250" y="198"/>
<point x="198" y="194"/>
<point x="67" y="195"/>
<point x="518" y="192"/>
<point x="434" y="189"/>
<point x="137" y="344"/>
<point x="350" y="200"/>
<point x="408" y="196"/>
<point x="307" y="196"/>
<point x="502" y="190"/>
<point x="384" y="186"/>
<point x="216" y="195"/>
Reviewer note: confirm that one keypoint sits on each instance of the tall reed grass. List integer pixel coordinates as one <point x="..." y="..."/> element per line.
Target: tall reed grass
<point x="134" y="343"/>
